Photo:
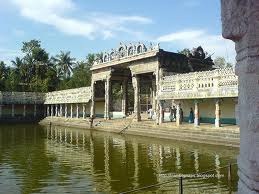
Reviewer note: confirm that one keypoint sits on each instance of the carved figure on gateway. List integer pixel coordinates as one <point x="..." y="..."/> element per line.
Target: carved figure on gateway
<point x="125" y="51"/>
<point x="199" y="60"/>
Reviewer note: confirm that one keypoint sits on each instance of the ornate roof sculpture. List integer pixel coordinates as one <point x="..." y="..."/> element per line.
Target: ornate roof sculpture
<point x="200" y="60"/>
<point x="124" y="51"/>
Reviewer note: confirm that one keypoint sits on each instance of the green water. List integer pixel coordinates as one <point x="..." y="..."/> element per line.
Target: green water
<point x="36" y="159"/>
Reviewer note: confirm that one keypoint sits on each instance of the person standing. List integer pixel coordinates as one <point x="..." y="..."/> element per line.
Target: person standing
<point x="171" y="114"/>
<point x="191" y="116"/>
<point x="174" y="113"/>
<point x="181" y="115"/>
<point x="150" y="113"/>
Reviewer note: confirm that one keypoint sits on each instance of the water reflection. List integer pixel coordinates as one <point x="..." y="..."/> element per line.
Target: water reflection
<point x="35" y="159"/>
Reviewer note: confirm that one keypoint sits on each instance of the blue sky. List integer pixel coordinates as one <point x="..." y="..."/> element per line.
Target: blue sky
<point x="84" y="27"/>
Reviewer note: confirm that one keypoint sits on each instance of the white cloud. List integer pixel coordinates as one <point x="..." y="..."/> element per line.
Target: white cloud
<point x="54" y="13"/>
<point x="212" y="43"/>
<point x="180" y="36"/>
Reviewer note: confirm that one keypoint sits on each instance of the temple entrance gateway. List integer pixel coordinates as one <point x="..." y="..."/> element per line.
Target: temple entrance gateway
<point x="141" y="68"/>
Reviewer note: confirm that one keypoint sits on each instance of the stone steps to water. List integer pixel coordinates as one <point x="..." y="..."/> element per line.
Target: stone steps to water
<point x="173" y="132"/>
<point x="182" y="131"/>
<point x="215" y="136"/>
<point x="230" y="140"/>
<point x="179" y="136"/>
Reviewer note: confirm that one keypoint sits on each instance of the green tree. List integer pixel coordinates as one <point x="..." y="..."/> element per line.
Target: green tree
<point x="81" y="74"/>
<point x="37" y="72"/>
<point x="64" y="64"/>
<point x="185" y="51"/>
<point x="3" y="75"/>
<point x="35" y="65"/>
<point x="12" y="81"/>
<point x="220" y="62"/>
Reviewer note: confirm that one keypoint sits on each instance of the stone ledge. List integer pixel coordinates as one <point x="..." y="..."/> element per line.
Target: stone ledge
<point x="173" y="133"/>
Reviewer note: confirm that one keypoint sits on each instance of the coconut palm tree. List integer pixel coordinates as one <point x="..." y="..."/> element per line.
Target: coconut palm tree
<point x="17" y="63"/>
<point x="2" y="69"/>
<point x="64" y="63"/>
<point x="21" y="68"/>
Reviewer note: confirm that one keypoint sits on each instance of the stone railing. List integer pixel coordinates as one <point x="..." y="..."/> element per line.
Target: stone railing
<point x="207" y="84"/>
<point x="22" y="98"/>
<point x="78" y="95"/>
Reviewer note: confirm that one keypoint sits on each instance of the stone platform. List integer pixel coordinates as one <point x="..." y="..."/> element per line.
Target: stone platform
<point x="227" y="135"/>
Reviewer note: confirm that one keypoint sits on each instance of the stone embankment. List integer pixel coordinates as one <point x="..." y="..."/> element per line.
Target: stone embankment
<point x="206" y="133"/>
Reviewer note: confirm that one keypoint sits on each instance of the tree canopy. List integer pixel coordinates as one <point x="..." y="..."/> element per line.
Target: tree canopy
<point x="37" y="71"/>
<point x="220" y="62"/>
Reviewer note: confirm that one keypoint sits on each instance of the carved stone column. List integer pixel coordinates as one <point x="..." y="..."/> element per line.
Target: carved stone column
<point x="107" y="98"/>
<point x="24" y="110"/>
<point x="196" y="113"/>
<point x="179" y="118"/>
<point x="161" y="112"/>
<point x="159" y="75"/>
<point x="77" y="111"/>
<point x="92" y="111"/>
<point x="124" y="97"/>
<point x="65" y="110"/>
<point x="236" y="110"/>
<point x="84" y="113"/>
<point x="135" y="83"/>
<point x="13" y="111"/>
<point x="35" y="110"/>
<point x="52" y="111"/>
<point x="241" y="24"/>
<point x="217" y="113"/>
<point x="61" y="110"/>
<point x="153" y="94"/>
<point x="71" y="110"/>
<point x="48" y="106"/>
<point x="56" y="110"/>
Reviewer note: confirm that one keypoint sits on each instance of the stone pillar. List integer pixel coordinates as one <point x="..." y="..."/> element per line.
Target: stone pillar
<point x="135" y="83"/>
<point x="35" y="110"/>
<point x="71" y="110"/>
<point x="65" y="110"/>
<point x="217" y="113"/>
<point x="52" y="111"/>
<point x="124" y="97"/>
<point x="179" y="118"/>
<point x="196" y="113"/>
<point x="77" y="111"/>
<point x="107" y="98"/>
<point x="153" y="95"/>
<point x="92" y="111"/>
<point x="161" y="112"/>
<point x="236" y="110"/>
<point x="24" y="110"/>
<point x="84" y="115"/>
<point x="241" y="24"/>
<point x="60" y="112"/>
<point x="56" y="110"/>
<point x="13" y="111"/>
<point x="48" y="110"/>
<point x="159" y="75"/>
